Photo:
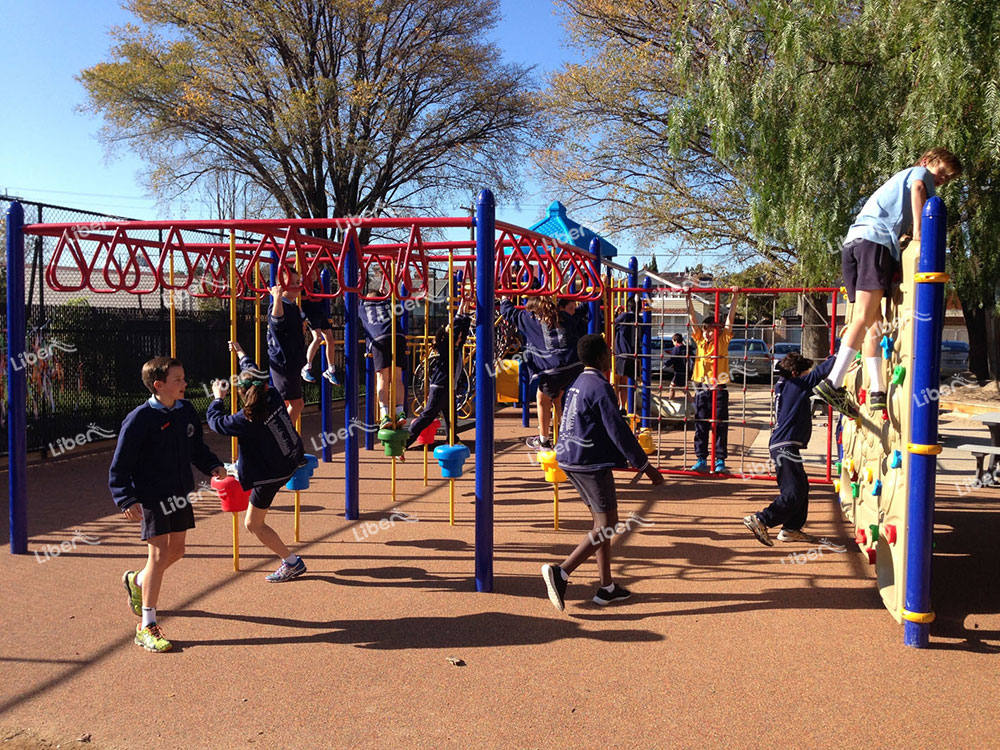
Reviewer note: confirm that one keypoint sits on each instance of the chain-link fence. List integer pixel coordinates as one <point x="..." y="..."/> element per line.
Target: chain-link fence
<point x="85" y="349"/>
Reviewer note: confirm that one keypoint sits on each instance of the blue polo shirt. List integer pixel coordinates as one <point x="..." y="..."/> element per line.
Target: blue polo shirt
<point x="888" y="214"/>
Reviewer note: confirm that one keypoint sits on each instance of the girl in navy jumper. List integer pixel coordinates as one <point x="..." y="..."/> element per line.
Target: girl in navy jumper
<point x="551" y="331"/>
<point x="270" y="452"/>
<point x="286" y="343"/>
<point x="791" y="432"/>
<point x="594" y="439"/>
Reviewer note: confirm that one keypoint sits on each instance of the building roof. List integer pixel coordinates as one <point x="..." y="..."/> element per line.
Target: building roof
<point x="558" y="225"/>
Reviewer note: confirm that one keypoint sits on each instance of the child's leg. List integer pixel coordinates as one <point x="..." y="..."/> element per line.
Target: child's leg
<point x="597" y="541"/>
<point x="784" y="508"/>
<point x="797" y="519"/>
<point x="256" y="524"/>
<point x="544" y="406"/>
<point x="313" y="348"/>
<point x="437" y="403"/>
<point x="163" y="551"/>
<point x="702" y="427"/>
<point x="328" y="341"/>
<point x="722" y="424"/>
<point x="867" y="312"/>
<point x="382" y="389"/>
<point x="294" y="407"/>
<point x="400" y="390"/>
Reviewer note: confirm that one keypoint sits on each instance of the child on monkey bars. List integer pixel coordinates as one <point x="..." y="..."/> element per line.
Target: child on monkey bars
<point x="551" y="327"/>
<point x="376" y="320"/>
<point x="437" y="373"/>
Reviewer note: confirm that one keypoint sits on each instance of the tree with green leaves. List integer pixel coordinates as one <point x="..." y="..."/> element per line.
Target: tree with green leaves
<point x="333" y="108"/>
<point x="758" y="127"/>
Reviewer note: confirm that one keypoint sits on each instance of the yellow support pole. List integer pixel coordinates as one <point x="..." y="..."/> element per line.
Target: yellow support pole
<point x="232" y="369"/>
<point x="555" y="426"/>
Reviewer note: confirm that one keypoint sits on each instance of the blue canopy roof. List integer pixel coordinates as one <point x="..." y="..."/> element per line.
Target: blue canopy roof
<point x="558" y="225"/>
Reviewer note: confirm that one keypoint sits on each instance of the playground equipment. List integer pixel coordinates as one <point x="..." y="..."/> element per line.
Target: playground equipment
<point x="893" y="520"/>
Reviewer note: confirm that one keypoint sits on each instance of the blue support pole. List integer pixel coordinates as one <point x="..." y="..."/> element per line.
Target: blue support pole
<point x="923" y="440"/>
<point x="486" y="387"/>
<point x="645" y="348"/>
<point x="325" y="386"/>
<point x="17" y="383"/>
<point x="594" y="326"/>
<point x="633" y="282"/>
<point x="351" y="367"/>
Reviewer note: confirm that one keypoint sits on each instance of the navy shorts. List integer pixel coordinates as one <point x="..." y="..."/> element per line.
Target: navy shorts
<point x="596" y="488"/>
<point x="289" y="386"/>
<point x="625" y="365"/>
<point x="867" y="267"/>
<point x="167" y="516"/>
<point x="263" y="495"/>
<point x="319" y="323"/>
<point x="553" y="382"/>
<point x="381" y="350"/>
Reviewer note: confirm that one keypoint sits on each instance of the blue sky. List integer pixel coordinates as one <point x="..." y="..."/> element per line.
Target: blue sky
<point x="50" y="152"/>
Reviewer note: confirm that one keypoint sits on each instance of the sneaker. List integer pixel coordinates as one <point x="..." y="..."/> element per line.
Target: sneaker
<point x="307" y="374"/>
<point x="556" y="585"/>
<point x="877" y="401"/>
<point x="151" y="639"/>
<point x="759" y="529"/>
<point x="720" y="466"/>
<point x="538" y="443"/>
<point x="134" y="592"/>
<point x="617" y="594"/>
<point x="287" y="572"/>
<point x="701" y="466"/>
<point x="331" y="375"/>
<point x="795" y="535"/>
<point x="837" y="398"/>
<point x="385" y="422"/>
<point x="400" y="420"/>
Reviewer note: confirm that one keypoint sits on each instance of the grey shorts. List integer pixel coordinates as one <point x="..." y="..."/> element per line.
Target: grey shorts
<point x="596" y="488"/>
<point x="867" y="267"/>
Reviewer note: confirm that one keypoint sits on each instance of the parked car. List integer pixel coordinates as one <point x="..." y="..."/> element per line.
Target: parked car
<point x="954" y="358"/>
<point x="782" y="348"/>
<point x="749" y="358"/>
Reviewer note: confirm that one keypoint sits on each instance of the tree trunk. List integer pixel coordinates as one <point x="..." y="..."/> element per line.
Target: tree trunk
<point x="816" y="326"/>
<point x="975" y="324"/>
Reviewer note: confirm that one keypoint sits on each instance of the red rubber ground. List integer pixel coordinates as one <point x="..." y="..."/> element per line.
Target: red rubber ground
<point x="725" y="641"/>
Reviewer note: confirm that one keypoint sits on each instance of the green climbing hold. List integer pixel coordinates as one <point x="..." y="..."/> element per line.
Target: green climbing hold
<point x="898" y="375"/>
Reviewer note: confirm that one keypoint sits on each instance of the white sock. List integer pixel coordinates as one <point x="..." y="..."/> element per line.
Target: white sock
<point x="565" y="575"/>
<point x="138" y="578"/>
<point x="148" y="616"/>
<point x="875" y="374"/>
<point x="400" y="409"/>
<point x="292" y="559"/>
<point x="609" y="588"/>
<point x="845" y="355"/>
<point x="383" y="410"/>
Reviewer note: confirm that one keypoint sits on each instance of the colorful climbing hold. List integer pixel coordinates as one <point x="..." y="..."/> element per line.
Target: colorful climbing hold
<point x="898" y="375"/>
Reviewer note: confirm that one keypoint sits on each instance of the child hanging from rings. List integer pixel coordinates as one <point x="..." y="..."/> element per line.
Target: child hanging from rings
<point x="270" y="452"/>
<point x="376" y="320"/>
<point x="791" y="432"/>
<point x="551" y="328"/>
<point x="437" y="373"/>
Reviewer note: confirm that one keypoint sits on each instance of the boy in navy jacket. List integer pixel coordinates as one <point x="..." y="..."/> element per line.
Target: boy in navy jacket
<point x="437" y="374"/>
<point x="628" y="334"/>
<point x="791" y="432"/>
<point x="593" y="440"/>
<point x="286" y="343"/>
<point x="270" y="452"/>
<point x="151" y="482"/>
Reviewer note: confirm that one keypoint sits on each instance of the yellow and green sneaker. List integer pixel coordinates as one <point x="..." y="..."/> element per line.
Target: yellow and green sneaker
<point x="134" y="592"/>
<point x="151" y="639"/>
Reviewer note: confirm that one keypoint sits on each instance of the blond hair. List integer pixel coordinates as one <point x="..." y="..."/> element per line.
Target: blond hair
<point x="944" y="156"/>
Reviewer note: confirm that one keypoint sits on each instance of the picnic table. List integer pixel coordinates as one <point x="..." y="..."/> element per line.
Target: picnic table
<point x="992" y="421"/>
